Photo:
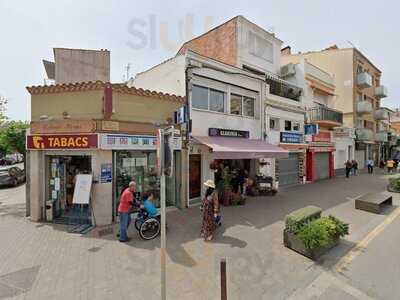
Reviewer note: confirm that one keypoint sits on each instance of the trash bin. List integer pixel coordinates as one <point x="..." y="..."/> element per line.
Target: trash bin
<point x="49" y="210"/>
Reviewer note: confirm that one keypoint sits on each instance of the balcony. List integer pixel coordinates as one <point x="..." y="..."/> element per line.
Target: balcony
<point x="381" y="91"/>
<point x="381" y="137"/>
<point x="364" y="80"/>
<point x="364" y="107"/>
<point x="284" y="89"/>
<point x="325" y="116"/>
<point x="318" y="73"/>
<point x="364" y="134"/>
<point x="381" y="114"/>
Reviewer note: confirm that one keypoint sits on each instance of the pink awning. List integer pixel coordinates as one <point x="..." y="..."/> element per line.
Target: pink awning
<point x="240" y="148"/>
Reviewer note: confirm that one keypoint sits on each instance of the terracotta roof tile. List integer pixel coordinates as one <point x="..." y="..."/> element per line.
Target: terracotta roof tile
<point x="98" y="86"/>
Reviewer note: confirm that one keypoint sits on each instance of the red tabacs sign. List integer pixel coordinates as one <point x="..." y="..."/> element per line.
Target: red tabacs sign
<point x="322" y="136"/>
<point x="72" y="141"/>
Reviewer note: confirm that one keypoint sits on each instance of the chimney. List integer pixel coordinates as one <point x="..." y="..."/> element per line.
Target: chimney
<point x="286" y="51"/>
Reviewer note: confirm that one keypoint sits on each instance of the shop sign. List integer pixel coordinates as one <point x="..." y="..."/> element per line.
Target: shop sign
<point x="109" y="126"/>
<point x="291" y="137"/>
<point x="63" y="126"/>
<point x="311" y="129"/>
<point x="106" y="173"/>
<point x="228" y="133"/>
<point x="322" y="136"/>
<point x="76" y="141"/>
<point x="344" y="132"/>
<point x="322" y="149"/>
<point x="133" y="142"/>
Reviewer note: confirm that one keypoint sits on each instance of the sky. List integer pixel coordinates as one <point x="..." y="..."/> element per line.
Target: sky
<point x="144" y="33"/>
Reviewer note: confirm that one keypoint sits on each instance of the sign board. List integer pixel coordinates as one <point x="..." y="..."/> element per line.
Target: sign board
<point x="133" y="142"/>
<point x="106" y="173"/>
<point x="292" y="138"/>
<point x="311" y="129"/>
<point x="322" y="136"/>
<point x="180" y="115"/>
<point x="228" y="133"/>
<point x="82" y="189"/>
<point x="109" y="126"/>
<point x="71" y="141"/>
<point x="63" y="126"/>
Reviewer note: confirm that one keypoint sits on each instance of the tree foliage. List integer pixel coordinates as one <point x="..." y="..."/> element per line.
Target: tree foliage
<point x="12" y="137"/>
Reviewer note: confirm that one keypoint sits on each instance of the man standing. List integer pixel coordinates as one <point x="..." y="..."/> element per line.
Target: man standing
<point x="124" y="207"/>
<point x="370" y="164"/>
<point x="349" y="166"/>
<point x="389" y="165"/>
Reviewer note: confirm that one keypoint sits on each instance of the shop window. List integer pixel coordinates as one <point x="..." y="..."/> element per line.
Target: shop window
<point x="274" y="124"/>
<point x="288" y="125"/>
<point x="296" y="126"/>
<point x="217" y="100"/>
<point x="248" y="107"/>
<point x="199" y="97"/>
<point x="236" y="104"/>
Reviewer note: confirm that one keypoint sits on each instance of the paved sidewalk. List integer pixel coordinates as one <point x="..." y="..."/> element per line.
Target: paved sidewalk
<point x="42" y="261"/>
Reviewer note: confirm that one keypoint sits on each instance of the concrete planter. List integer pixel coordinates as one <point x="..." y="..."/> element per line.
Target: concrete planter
<point x="291" y="241"/>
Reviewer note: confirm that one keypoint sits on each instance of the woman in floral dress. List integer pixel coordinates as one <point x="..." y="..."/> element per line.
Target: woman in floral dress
<point x="210" y="207"/>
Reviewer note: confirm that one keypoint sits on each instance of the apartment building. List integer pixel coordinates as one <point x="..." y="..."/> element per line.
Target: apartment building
<point x="358" y="92"/>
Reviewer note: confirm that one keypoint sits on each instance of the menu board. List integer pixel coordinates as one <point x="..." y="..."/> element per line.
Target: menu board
<point x="83" y="186"/>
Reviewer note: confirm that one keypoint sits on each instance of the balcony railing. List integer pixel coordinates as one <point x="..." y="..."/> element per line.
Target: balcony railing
<point x="381" y="114"/>
<point x="364" y="134"/>
<point x="325" y="114"/>
<point x="364" y="80"/>
<point x="381" y="136"/>
<point x="316" y="72"/>
<point x="283" y="89"/>
<point x="364" y="107"/>
<point x="381" y="91"/>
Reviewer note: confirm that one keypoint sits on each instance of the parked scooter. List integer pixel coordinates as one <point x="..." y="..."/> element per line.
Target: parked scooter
<point x="264" y="185"/>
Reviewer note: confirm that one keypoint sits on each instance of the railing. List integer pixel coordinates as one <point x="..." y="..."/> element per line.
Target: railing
<point x="364" y="134"/>
<point x="283" y="89"/>
<point x="364" y="80"/>
<point x="381" y="91"/>
<point x="325" y="114"/>
<point x="381" y="136"/>
<point x="381" y="114"/>
<point x="364" y="107"/>
<point x="318" y="73"/>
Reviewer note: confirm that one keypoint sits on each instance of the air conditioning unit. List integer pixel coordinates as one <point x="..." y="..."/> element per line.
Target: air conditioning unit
<point x="288" y="70"/>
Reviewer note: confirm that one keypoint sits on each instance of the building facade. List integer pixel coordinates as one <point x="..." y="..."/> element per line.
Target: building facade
<point x="97" y="128"/>
<point x="358" y="91"/>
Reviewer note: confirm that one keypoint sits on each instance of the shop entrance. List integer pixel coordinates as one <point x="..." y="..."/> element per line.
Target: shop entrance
<point x="62" y="171"/>
<point x="289" y="170"/>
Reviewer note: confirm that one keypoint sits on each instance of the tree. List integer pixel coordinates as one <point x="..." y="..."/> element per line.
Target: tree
<point x="3" y="104"/>
<point x="12" y="136"/>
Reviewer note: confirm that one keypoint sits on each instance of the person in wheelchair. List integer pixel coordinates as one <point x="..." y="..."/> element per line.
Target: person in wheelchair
<point x="148" y="204"/>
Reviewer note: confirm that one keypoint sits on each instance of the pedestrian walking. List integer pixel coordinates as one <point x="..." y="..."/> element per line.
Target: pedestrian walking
<point x="382" y="164"/>
<point x="390" y="165"/>
<point x="124" y="208"/>
<point x="370" y="164"/>
<point x="210" y="208"/>
<point x="348" y="166"/>
<point x="354" y="167"/>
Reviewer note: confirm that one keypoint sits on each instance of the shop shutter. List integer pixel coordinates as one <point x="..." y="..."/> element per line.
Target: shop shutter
<point x="359" y="156"/>
<point x="289" y="170"/>
<point x="322" y="165"/>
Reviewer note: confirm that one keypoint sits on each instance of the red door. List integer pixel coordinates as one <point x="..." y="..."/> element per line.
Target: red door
<point x="194" y="176"/>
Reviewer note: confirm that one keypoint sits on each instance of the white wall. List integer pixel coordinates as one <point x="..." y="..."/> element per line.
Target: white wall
<point x="271" y="65"/>
<point x="202" y="120"/>
<point x="167" y="77"/>
<point x="341" y="154"/>
<point x="273" y="136"/>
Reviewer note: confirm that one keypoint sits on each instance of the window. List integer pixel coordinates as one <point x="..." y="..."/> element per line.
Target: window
<point x="217" y="100"/>
<point x="236" y="104"/>
<point x="359" y="69"/>
<point x="288" y="125"/>
<point x="248" y="107"/>
<point x="296" y="126"/>
<point x="200" y="97"/>
<point x="274" y="124"/>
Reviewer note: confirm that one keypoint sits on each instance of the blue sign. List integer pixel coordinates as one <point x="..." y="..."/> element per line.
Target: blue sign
<point x="180" y="115"/>
<point x="106" y="173"/>
<point x="291" y="138"/>
<point x="311" y="129"/>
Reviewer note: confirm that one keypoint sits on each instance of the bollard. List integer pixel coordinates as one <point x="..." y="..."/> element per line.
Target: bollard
<point x="224" y="295"/>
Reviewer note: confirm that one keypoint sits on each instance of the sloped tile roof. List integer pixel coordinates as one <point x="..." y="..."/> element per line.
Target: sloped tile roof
<point x="98" y="86"/>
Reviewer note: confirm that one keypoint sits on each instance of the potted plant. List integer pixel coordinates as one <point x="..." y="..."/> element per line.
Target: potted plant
<point x="227" y="194"/>
<point x="394" y="184"/>
<point x="311" y="235"/>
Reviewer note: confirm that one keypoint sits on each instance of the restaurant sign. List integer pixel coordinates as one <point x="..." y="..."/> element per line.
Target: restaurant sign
<point x="291" y="138"/>
<point x="72" y="141"/>
<point x="322" y="136"/>
<point x="228" y="133"/>
<point x="132" y="142"/>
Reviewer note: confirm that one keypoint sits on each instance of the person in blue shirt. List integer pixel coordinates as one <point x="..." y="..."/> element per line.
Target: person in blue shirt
<point x="148" y="205"/>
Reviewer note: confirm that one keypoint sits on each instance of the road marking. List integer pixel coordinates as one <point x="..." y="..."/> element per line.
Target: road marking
<point x="357" y="250"/>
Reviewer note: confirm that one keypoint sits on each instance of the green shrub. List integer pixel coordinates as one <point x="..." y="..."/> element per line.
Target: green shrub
<point x="394" y="183"/>
<point x="319" y="232"/>
<point x="297" y="219"/>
